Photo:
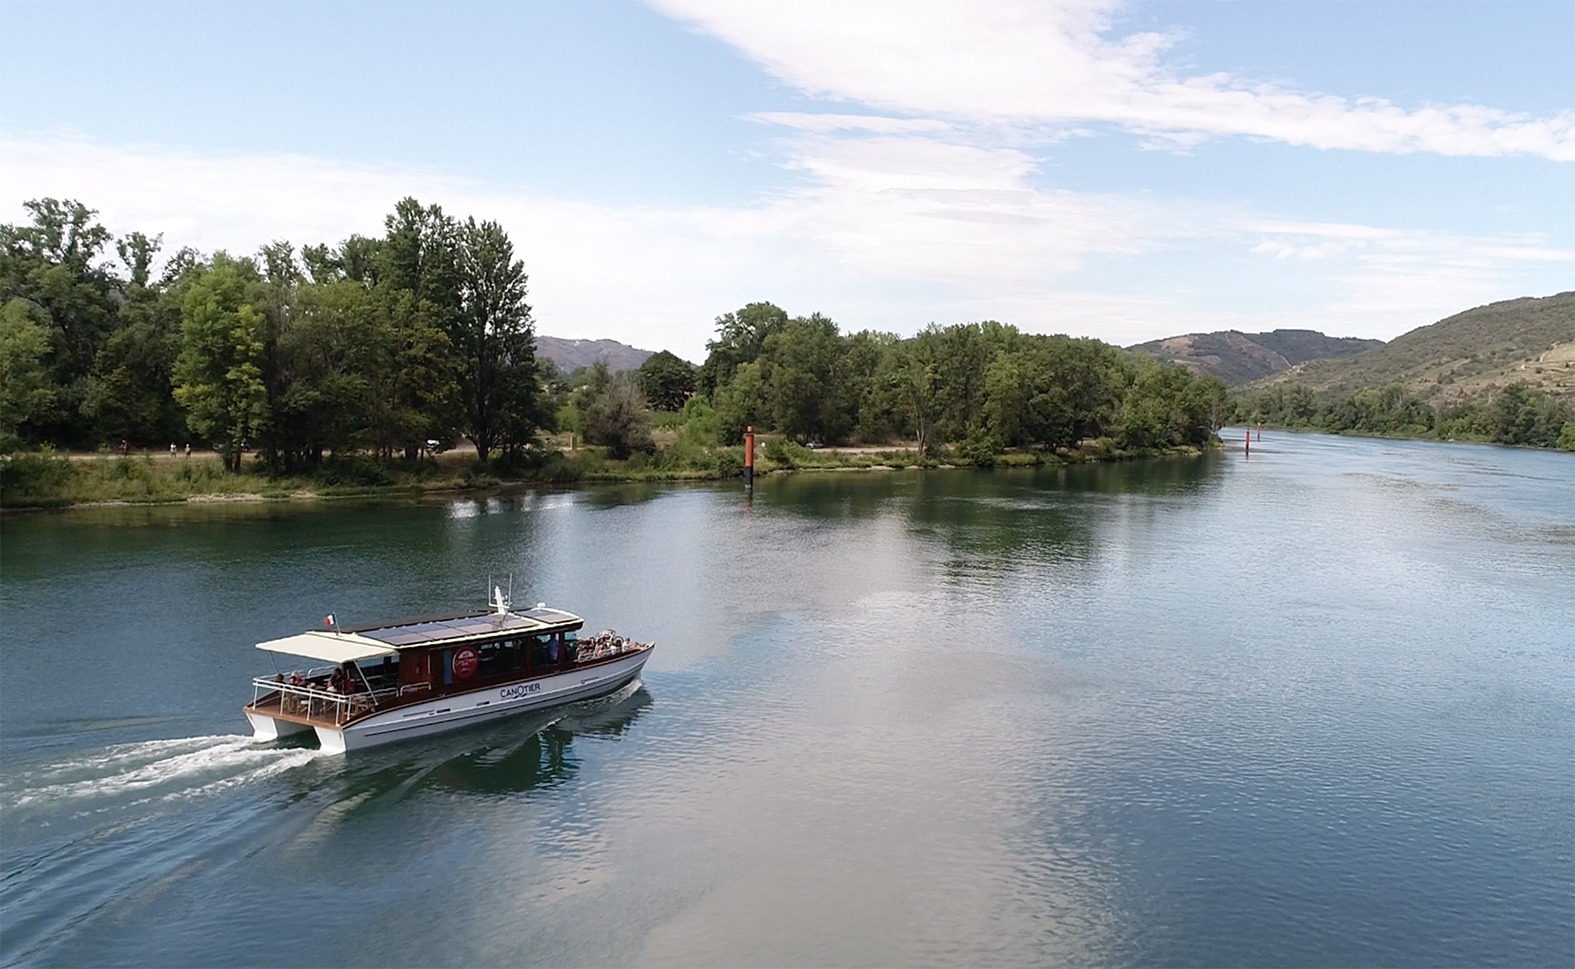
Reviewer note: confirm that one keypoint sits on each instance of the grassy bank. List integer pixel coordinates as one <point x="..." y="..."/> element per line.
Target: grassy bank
<point x="52" y="480"/>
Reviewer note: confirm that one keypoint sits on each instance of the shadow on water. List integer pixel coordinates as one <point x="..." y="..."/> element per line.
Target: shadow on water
<point x="1010" y="516"/>
<point x="605" y="496"/>
<point x="514" y="756"/>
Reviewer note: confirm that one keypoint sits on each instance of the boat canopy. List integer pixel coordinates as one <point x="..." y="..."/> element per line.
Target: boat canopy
<point x="329" y="647"/>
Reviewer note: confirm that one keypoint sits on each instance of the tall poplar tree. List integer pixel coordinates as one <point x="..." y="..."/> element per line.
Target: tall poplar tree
<point x="493" y="339"/>
<point x="219" y="375"/>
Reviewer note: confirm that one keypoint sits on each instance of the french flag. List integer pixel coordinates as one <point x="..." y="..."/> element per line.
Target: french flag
<point x="328" y="620"/>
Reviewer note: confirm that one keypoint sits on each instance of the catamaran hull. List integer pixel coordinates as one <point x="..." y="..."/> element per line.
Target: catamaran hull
<point x="460" y="710"/>
<point x="267" y="728"/>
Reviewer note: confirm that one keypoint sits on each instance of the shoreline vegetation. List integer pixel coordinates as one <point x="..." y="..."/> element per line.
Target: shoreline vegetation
<point x="405" y="364"/>
<point x="41" y="481"/>
<point x="1519" y="415"/>
<point x="375" y="366"/>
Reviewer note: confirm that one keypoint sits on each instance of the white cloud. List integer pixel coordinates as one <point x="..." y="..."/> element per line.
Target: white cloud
<point x="1031" y="62"/>
<point x="827" y="123"/>
<point x="885" y="231"/>
<point x="647" y="277"/>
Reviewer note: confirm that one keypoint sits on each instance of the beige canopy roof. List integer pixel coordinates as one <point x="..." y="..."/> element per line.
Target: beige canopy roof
<point x="329" y="647"/>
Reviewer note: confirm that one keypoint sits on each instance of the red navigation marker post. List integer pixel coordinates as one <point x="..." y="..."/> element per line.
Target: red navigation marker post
<point x="749" y="458"/>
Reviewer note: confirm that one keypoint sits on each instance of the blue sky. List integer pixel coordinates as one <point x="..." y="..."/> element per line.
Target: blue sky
<point x="1120" y="170"/>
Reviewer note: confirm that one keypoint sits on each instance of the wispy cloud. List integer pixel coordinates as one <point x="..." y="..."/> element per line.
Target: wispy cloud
<point x="884" y="230"/>
<point x="1030" y="62"/>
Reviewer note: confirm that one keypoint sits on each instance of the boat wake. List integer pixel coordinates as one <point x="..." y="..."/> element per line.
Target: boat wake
<point x="171" y="769"/>
<point x="99" y="834"/>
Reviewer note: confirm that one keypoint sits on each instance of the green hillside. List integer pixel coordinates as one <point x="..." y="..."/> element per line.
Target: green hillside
<point x="1238" y="358"/>
<point x="1469" y="356"/>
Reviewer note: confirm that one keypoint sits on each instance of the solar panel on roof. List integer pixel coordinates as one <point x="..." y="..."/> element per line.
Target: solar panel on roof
<point x="418" y="632"/>
<point x="439" y="628"/>
<point x="402" y="639"/>
<point x="546" y="615"/>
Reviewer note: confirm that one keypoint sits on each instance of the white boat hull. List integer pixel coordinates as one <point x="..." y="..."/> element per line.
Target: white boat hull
<point x="478" y="706"/>
<point x="267" y="728"/>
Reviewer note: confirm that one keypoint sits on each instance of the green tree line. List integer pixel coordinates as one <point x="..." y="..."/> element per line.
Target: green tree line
<point x="376" y="345"/>
<point x="982" y="387"/>
<point x="1518" y="414"/>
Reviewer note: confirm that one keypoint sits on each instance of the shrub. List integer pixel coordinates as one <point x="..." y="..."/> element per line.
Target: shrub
<point x="787" y="454"/>
<point x="353" y="470"/>
<point x="34" y="479"/>
<point x="979" y="449"/>
<point x="730" y="463"/>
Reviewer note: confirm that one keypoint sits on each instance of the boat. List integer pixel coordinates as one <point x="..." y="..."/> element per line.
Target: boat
<point x="414" y="677"/>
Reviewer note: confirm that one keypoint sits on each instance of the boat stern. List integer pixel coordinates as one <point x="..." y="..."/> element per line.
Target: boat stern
<point x="265" y="727"/>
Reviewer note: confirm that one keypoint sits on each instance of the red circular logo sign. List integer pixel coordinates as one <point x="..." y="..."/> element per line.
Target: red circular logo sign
<point x="465" y="663"/>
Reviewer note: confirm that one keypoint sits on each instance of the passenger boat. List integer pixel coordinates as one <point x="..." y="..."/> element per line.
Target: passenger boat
<point x="415" y="677"/>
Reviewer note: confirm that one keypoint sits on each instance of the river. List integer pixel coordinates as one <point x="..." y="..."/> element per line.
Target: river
<point x="1312" y="707"/>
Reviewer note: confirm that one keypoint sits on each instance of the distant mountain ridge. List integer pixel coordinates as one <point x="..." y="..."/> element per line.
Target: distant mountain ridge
<point x="571" y="355"/>
<point x="1468" y="355"/>
<point x="1238" y="358"/>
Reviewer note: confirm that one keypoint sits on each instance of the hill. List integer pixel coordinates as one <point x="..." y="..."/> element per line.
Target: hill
<point x="1467" y="356"/>
<point x="1238" y="358"/>
<point x="571" y="355"/>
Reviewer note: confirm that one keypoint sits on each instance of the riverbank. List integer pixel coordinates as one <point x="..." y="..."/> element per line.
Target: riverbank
<point x="43" y="480"/>
<point x="1566" y="442"/>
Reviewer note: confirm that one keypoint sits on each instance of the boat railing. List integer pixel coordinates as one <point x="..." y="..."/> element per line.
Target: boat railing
<point x="317" y="702"/>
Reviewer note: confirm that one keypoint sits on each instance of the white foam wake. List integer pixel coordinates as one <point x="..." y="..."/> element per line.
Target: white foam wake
<point x="181" y="767"/>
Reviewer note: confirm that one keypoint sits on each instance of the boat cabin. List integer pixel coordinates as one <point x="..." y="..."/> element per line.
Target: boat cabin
<point x="376" y="667"/>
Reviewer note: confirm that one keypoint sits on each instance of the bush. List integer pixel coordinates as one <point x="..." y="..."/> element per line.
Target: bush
<point x="787" y="454"/>
<point x="353" y="470"/>
<point x="730" y="463"/>
<point x="557" y="468"/>
<point x="35" y="479"/>
<point x="979" y="449"/>
<point x="700" y="425"/>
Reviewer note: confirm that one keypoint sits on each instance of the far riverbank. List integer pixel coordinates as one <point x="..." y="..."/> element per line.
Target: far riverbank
<point x="44" y="480"/>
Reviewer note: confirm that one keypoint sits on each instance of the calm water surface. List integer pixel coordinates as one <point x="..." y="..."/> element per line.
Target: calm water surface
<point x="1312" y="708"/>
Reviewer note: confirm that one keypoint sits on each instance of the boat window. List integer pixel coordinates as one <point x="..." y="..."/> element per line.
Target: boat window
<point x="498" y="658"/>
<point x="545" y="649"/>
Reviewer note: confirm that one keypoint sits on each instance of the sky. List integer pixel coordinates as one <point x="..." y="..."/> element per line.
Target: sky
<point x="1120" y="170"/>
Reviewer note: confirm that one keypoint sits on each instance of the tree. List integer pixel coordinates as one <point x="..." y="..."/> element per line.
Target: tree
<point x="493" y="338"/>
<point x="55" y="263"/>
<point x="910" y="372"/>
<point x="218" y="375"/>
<point x="667" y="381"/>
<point x="276" y="299"/>
<point x="801" y="389"/>
<point x="961" y="356"/>
<point x="1006" y="394"/>
<point x="613" y="413"/>
<point x="412" y="387"/>
<point x="740" y="339"/>
<point x="24" y="380"/>
<point x="332" y="349"/>
<point x="414" y="275"/>
<point x="741" y="402"/>
<point x="865" y="403"/>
